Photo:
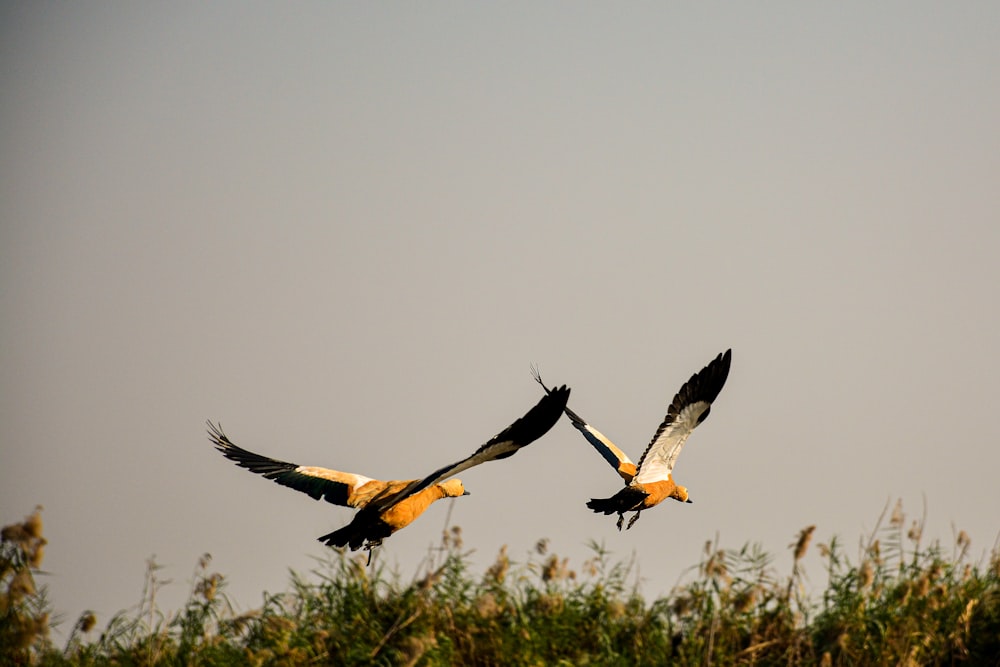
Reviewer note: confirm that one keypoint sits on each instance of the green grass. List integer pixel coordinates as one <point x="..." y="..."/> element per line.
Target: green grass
<point x="902" y="603"/>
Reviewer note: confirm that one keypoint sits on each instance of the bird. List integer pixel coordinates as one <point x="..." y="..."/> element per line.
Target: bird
<point x="651" y="481"/>
<point x="387" y="506"/>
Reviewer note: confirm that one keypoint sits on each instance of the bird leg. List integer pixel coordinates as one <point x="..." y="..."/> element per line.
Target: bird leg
<point x="621" y="518"/>
<point x="370" y="547"/>
<point x="634" y="518"/>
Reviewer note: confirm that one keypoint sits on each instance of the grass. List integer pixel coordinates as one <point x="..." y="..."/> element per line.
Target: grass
<point x="900" y="603"/>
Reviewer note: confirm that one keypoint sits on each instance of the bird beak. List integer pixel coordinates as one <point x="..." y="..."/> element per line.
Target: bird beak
<point x="689" y="501"/>
<point x="466" y="493"/>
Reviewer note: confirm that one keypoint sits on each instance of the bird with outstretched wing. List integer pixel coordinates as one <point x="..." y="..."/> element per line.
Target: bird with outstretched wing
<point x="387" y="506"/>
<point x="651" y="481"/>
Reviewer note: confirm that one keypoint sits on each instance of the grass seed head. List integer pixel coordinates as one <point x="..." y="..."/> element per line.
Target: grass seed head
<point x="37" y="552"/>
<point x="744" y="601"/>
<point x="555" y="569"/>
<point x="497" y="572"/>
<point x="21" y="586"/>
<point x="715" y="566"/>
<point x="923" y="585"/>
<point x="33" y="524"/>
<point x="682" y="605"/>
<point x="963" y="540"/>
<point x="414" y="648"/>
<point x="867" y="574"/>
<point x="875" y="551"/>
<point x="13" y="533"/>
<point x="897" y="518"/>
<point x="803" y="542"/>
<point x="86" y="622"/>
<point x="486" y="606"/>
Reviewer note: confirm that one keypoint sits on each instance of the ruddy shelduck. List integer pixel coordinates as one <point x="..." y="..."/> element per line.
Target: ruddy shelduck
<point x="651" y="481"/>
<point x="386" y="507"/>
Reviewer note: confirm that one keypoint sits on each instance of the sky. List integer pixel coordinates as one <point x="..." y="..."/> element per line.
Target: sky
<point x="347" y="230"/>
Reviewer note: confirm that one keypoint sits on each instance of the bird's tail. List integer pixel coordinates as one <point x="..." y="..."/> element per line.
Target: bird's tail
<point x="604" y="505"/>
<point x="366" y="530"/>
<point x="626" y="500"/>
<point x="349" y="535"/>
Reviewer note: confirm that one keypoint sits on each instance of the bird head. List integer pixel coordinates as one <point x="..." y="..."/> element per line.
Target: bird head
<point x="453" y="488"/>
<point x="681" y="493"/>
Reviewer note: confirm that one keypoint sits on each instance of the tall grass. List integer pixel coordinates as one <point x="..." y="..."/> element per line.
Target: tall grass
<point x="900" y="602"/>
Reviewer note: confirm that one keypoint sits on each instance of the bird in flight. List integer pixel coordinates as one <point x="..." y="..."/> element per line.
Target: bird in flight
<point x="651" y="481"/>
<point x="387" y="506"/>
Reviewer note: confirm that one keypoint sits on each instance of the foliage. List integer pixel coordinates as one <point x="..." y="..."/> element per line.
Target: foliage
<point x="900" y="603"/>
<point x="24" y="619"/>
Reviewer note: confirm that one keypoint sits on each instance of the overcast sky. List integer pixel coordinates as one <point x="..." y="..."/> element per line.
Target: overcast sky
<point x="347" y="229"/>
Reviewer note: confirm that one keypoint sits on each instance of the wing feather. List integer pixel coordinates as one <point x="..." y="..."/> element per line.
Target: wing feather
<point x="533" y="425"/>
<point x="689" y="408"/>
<point x="610" y="452"/>
<point x="333" y="486"/>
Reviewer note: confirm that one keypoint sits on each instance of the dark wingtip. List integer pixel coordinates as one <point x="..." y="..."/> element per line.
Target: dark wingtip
<point x="546" y="412"/>
<point x="724" y="361"/>
<point x="556" y="397"/>
<point x="537" y="375"/>
<point x="216" y="435"/>
<point x="707" y="384"/>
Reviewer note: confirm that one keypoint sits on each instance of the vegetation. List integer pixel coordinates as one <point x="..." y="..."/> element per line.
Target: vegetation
<point x="902" y="603"/>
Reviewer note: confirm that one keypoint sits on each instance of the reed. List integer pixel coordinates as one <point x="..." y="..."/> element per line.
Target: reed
<point x="898" y="601"/>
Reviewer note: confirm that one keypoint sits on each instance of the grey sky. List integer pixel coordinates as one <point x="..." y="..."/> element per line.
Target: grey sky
<point x="346" y="230"/>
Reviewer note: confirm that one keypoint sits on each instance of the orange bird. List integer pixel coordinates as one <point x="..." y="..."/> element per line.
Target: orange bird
<point x="651" y="481"/>
<point x="385" y="507"/>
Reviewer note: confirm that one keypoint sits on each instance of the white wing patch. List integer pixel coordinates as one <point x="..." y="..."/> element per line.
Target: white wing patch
<point x="351" y="479"/>
<point x="661" y="455"/>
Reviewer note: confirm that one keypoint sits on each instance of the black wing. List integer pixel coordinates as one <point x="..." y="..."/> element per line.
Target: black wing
<point x="533" y="425"/>
<point x="320" y="483"/>
<point x="608" y="450"/>
<point x="689" y="408"/>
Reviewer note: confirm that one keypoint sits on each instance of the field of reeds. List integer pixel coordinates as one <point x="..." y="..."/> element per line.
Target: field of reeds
<point x="900" y="602"/>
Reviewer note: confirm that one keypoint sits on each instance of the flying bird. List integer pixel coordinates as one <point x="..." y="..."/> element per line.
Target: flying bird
<point x="651" y="481"/>
<point x="387" y="506"/>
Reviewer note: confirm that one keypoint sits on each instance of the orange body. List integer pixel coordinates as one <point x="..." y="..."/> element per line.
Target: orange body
<point x="406" y="511"/>
<point x="660" y="491"/>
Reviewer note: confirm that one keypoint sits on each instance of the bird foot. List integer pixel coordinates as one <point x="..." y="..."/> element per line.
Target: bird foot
<point x="370" y="547"/>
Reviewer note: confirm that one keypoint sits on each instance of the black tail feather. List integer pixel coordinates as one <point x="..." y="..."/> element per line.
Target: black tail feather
<point x="626" y="500"/>
<point x="364" y="531"/>
<point x="343" y="537"/>
<point x="603" y="505"/>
